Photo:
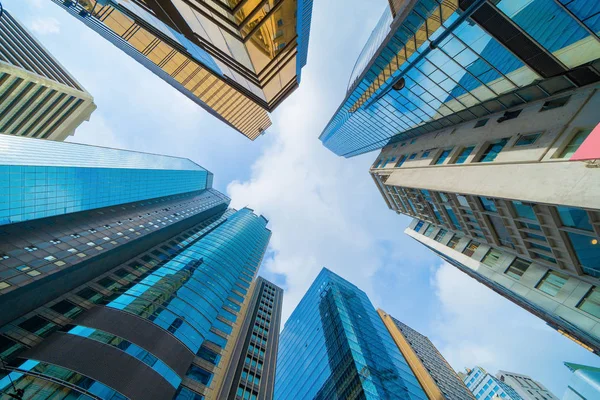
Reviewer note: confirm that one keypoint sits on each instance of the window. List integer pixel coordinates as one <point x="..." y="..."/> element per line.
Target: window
<point x="492" y="150"/>
<point x="488" y="204"/>
<point x="464" y="154"/>
<point x="401" y="161"/>
<point x="38" y="326"/>
<point x="587" y="250"/>
<point x="524" y="210"/>
<point x="481" y="123"/>
<point x="576" y="141"/>
<point x="517" y="268"/>
<point x="555" y="103"/>
<point x="509" y="115"/>
<point x="440" y="235"/>
<point x="442" y="157"/>
<point x="453" y="241"/>
<point x="425" y="153"/>
<point x="591" y="302"/>
<point x="429" y="230"/>
<point x="574" y="218"/>
<point x="200" y="375"/>
<point x="412" y="156"/>
<point x="526" y="140"/>
<point x="470" y="249"/>
<point x="552" y="282"/>
<point x="419" y="226"/>
<point x="492" y="257"/>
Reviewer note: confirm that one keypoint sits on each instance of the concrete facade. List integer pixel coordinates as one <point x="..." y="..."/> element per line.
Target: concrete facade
<point x="561" y="311"/>
<point x="39" y="97"/>
<point x="527" y="388"/>
<point x="436" y="376"/>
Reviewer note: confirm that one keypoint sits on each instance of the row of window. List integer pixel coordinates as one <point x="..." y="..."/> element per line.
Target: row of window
<point x="492" y="149"/>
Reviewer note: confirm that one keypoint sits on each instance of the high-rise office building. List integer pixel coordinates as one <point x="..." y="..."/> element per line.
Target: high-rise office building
<point x="435" y="375"/>
<point x="485" y="386"/>
<point x="251" y="374"/>
<point x="236" y="59"/>
<point x="38" y="96"/>
<point x="430" y="65"/>
<point x="525" y="386"/>
<point x="141" y="295"/>
<point x="491" y="140"/>
<point x="335" y="346"/>
<point x="584" y="383"/>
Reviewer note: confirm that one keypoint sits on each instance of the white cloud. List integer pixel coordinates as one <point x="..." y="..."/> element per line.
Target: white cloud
<point x="45" y="25"/>
<point x="476" y="326"/>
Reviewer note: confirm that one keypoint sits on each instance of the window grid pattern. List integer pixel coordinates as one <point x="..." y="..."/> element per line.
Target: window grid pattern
<point x="61" y="243"/>
<point x="176" y="285"/>
<point x="442" y="373"/>
<point x="336" y="340"/>
<point x="251" y="379"/>
<point x="535" y="232"/>
<point x="466" y="76"/>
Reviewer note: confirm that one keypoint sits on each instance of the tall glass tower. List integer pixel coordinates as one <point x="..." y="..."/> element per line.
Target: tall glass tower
<point x="141" y="295"/>
<point x="237" y="59"/>
<point x="335" y="346"/>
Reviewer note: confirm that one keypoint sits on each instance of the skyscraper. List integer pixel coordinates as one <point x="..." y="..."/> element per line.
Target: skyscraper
<point x="433" y="372"/>
<point x="485" y="386"/>
<point x="335" y="346"/>
<point x="487" y="118"/>
<point x="236" y="59"/>
<point x="584" y="383"/>
<point x="251" y="374"/>
<point x="430" y="65"/>
<point x="141" y="295"/>
<point x="527" y="388"/>
<point x="38" y="96"/>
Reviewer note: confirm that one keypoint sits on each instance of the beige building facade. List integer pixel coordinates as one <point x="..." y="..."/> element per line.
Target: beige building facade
<point x="38" y="96"/>
<point x="506" y="199"/>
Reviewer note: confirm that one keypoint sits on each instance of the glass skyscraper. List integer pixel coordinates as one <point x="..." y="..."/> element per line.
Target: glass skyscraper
<point x="584" y="383"/>
<point x="140" y="298"/>
<point x="335" y="346"/>
<point x="237" y="59"/>
<point x="42" y="178"/>
<point x="439" y="63"/>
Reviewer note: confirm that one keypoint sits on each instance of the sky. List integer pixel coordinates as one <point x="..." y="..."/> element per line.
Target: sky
<point x="323" y="210"/>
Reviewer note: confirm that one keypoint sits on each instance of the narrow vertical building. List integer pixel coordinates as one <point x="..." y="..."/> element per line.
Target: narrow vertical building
<point x="335" y="346"/>
<point x="135" y="292"/>
<point x="435" y="375"/>
<point x="236" y="59"/>
<point x="251" y="373"/>
<point x="38" y="96"/>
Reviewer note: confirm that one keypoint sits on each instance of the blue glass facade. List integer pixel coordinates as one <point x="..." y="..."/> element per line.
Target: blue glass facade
<point x="584" y="383"/>
<point x="438" y="68"/>
<point x="190" y="288"/>
<point x="40" y="178"/>
<point x="486" y="386"/>
<point x="335" y="346"/>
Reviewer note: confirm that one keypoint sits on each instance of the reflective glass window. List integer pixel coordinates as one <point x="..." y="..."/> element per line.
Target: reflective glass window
<point x="492" y="150"/>
<point x="464" y="154"/>
<point x="552" y="282"/>
<point x="517" y="268"/>
<point x="591" y="302"/>
<point x="574" y="143"/>
<point x="574" y="218"/>
<point x="587" y="249"/>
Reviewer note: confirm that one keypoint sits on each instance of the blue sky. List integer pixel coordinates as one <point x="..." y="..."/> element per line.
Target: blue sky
<point x="323" y="210"/>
